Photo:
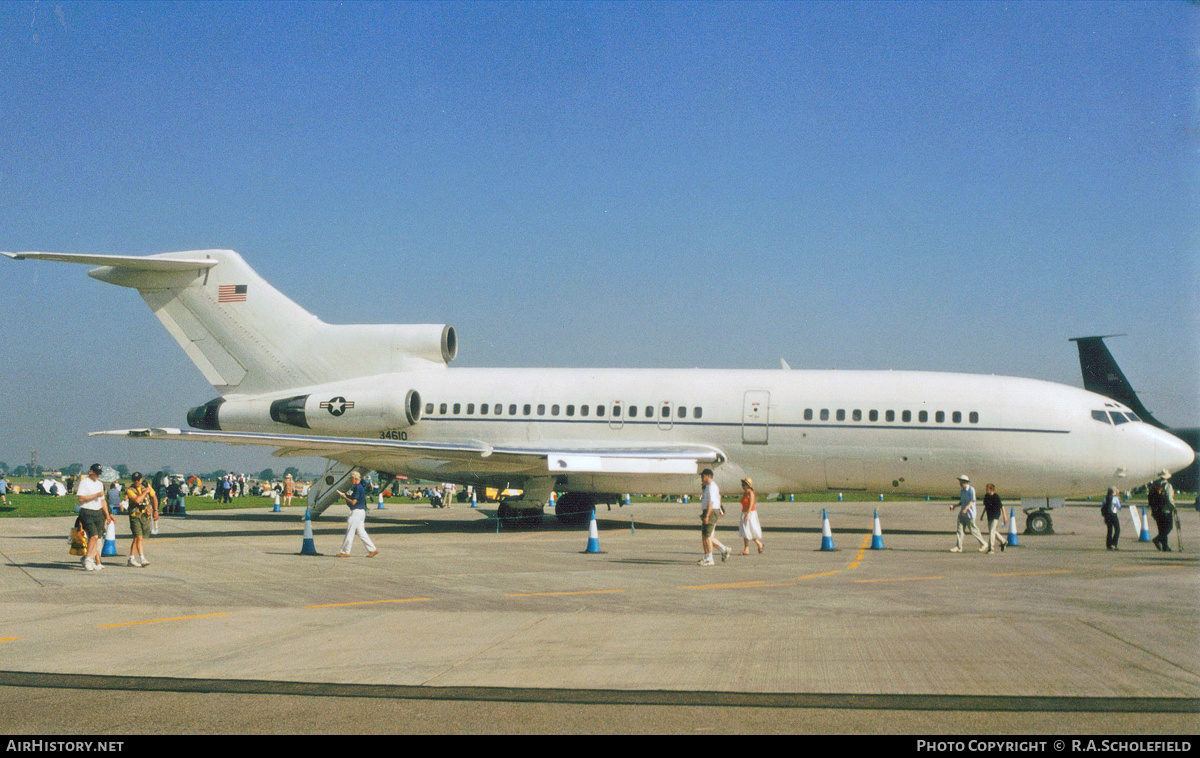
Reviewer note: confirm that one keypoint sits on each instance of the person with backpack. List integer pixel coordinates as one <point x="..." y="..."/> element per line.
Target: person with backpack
<point x="1109" y="509"/>
<point x="1161" y="498"/>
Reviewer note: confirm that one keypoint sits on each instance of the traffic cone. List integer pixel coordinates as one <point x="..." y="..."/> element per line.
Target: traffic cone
<point x="791" y="498"/>
<point x="276" y="509"/>
<point x="625" y="499"/>
<point x="593" y="545"/>
<point x="474" y="500"/>
<point x="826" y="532"/>
<point x="110" y="539"/>
<point x="1145" y="535"/>
<point x="877" y="535"/>
<point x="308" y="547"/>
<point x="380" y="508"/>
<point x="1012" y="527"/>
<point x="553" y="499"/>
<point x="839" y="497"/>
<point x="1137" y="520"/>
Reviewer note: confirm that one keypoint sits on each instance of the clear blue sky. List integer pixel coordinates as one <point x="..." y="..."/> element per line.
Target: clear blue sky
<point x="947" y="186"/>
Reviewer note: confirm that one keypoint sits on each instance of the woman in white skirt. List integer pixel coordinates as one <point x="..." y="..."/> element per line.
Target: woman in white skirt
<point x="749" y="529"/>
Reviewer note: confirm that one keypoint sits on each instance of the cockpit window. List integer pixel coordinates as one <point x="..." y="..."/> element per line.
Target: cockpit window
<point x="1117" y="418"/>
<point x="1132" y="416"/>
<point x="1101" y="416"/>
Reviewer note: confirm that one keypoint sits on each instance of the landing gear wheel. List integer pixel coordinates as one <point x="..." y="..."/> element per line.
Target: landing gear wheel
<point x="510" y="516"/>
<point x="1039" y="522"/>
<point x="574" y="508"/>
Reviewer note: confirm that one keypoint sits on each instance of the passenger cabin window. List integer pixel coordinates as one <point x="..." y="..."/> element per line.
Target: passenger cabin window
<point x="470" y="408"/>
<point x="512" y="409"/>
<point x="583" y="410"/>
<point x="649" y="411"/>
<point x="442" y="409"/>
<point x="526" y="409"/>
<point x="554" y="410"/>
<point x="1101" y="416"/>
<point x="428" y="409"/>
<point x="808" y="414"/>
<point x="940" y="417"/>
<point x="457" y="408"/>
<point x="483" y="409"/>
<point x="974" y="417"/>
<point x="616" y="410"/>
<point x="841" y="415"/>
<point x="824" y="414"/>
<point x="632" y="411"/>
<point x="857" y="415"/>
<point x="599" y="410"/>
<point x="541" y="409"/>
<point x="666" y="411"/>
<point x="889" y="416"/>
<point x="957" y="417"/>
<point x="906" y="416"/>
<point x="699" y="412"/>
<point x="873" y="416"/>
<point x="570" y="410"/>
<point x="682" y="412"/>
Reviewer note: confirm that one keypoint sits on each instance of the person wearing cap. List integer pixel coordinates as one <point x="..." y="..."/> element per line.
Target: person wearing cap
<point x="710" y="498"/>
<point x="289" y="490"/>
<point x="143" y="504"/>
<point x="1160" y="496"/>
<point x="356" y="524"/>
<point x="966" y="515"/>
<point x="749" y="528"/>
<point x="94" y="515"/>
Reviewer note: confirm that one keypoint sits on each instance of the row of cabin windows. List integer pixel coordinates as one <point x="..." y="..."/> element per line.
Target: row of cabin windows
<point x="939" y="417"/>
<point x="555" y="410"/>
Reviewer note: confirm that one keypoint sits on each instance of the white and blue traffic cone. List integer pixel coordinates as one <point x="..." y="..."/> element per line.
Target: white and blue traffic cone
<point x="593" y="545"/>
<point x="839" y="497"/>
<point x="308" y="547"/>
<point x="826" y="532"/>
<point x="625" y="499"/>
<point x="110" y="539"/>
<point x="877" y="534"/>
<point x="1145" y="535"/>
<point x="1012" y="527"/>
<point x="791" y="497"/>
<point x="276" y="509"/>
<point x="474" y="499"/>
<point x="380" y="506"/>
<point x="553" y="499"/>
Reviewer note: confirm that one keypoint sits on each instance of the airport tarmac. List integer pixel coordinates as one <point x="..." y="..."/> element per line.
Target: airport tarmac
<point x="455" y="627"/>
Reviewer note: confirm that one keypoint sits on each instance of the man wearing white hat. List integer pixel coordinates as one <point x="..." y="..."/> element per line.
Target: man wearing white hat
<point x="966" y="515"/>
<point x="1160" y="496"/>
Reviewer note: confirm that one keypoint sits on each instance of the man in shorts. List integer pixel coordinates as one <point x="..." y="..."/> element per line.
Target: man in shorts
<point x="94" y="515"/>
<point x="711" y="500"/>
<point x="3" y="489"/>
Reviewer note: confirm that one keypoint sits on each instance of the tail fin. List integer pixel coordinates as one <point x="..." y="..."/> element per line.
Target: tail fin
<point x="1102" y="375"/>
<point x="247" y="337"/>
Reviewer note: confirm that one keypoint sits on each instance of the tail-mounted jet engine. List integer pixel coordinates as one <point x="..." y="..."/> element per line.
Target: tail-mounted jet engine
<point x="338" y="409"/>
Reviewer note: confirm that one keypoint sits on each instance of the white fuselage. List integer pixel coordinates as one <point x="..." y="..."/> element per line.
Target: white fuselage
<point x="880" y="431"/>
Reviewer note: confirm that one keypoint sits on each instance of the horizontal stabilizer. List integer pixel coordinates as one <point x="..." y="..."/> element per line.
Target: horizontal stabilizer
<point x="133" y="262"/>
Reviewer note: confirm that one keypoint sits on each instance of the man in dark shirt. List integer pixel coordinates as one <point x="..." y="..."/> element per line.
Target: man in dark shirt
<point x="356" y="524"/>
<point x="995" y="517"/>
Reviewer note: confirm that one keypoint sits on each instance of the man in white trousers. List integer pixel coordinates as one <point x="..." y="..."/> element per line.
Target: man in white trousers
<point x="356" y="498"/>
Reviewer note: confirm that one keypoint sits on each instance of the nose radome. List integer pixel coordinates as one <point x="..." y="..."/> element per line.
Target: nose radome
<point x="1172" y="453"/>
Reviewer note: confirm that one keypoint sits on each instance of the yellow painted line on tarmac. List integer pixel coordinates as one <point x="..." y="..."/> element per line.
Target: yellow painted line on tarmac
<point x="22" y="552"/>
<point x="579" y="592"/>
<point x="1033" y="573"/>
<point x="861" y="552"/>
<point x="159" y="621"/>
<point x="369" y="602"/>
<point x="9" y="639"/>
<point x="816" y="576"/>
<point x="898" y="579"/>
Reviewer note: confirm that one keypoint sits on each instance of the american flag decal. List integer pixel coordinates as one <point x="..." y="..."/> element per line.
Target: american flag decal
<point x="231" y="293"/>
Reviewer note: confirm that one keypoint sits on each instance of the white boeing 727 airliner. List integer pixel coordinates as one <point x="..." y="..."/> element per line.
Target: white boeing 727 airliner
<point x="383" y="398"/>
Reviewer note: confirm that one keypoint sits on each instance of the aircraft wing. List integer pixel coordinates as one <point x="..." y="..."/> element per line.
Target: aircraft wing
<point x="465" y="455"/>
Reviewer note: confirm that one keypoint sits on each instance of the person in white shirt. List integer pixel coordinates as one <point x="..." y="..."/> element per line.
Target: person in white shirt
<point x="711" y="500"/>
<point x="94" y="515"/>
<point x="1110" y="509"/>
<point x="966" y="515"/>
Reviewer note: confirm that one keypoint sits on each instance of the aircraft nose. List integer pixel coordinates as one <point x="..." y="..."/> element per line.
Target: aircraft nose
<point x="1172" y="453"/>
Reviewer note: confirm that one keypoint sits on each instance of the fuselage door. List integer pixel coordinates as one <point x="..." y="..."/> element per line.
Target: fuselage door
<point x="665" y="412"/>
<point x="755" y="412"/>
<point x="616" y="415"/>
